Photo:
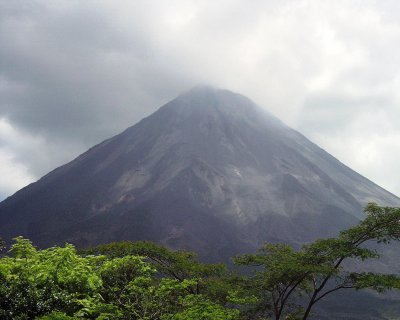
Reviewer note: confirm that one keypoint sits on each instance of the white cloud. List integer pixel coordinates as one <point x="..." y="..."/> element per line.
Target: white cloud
<point x="14" y="175"/>
<point x="73" y="73"/>
<point x="25" y="157"/>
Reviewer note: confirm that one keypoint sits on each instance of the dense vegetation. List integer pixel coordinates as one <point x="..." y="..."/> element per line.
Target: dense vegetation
<point x="146" y="281"/>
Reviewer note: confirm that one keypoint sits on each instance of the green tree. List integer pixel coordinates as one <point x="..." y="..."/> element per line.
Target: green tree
<point x="179" y="265"/>
<point x="130" y="285"/>
<point x="35" y="282"/>
<point x="190" y="276"/>
<point x="200" y="308"/>
<point x="145" y="281"/>
<point x="58" y="283"/>
<point x="285" y="277"/>
<point x="56" y="316"/>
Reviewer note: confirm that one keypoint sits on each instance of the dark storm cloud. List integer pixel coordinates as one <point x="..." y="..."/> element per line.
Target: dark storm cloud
<point x="71" y="76"/>
<point x="73" y="73"/>
<point x="74" y="69"/>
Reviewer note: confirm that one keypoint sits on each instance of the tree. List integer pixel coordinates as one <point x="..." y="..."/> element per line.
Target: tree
<point x="145" y="281"/>
<point x="58" y="283"/>
<point x="129" y="284"/>
<point x="200" y="307"/>
<point x="179" y="265"/>
<point x="286" y="277"/>
<point x="36" y="282"/>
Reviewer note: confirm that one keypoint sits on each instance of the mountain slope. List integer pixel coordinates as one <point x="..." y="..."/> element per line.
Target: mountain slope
<point x="209" y="171"/>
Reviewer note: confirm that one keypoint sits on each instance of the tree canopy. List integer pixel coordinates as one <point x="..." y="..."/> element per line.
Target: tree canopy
<point x="143" y="280"/>
<point x="290" y="283"/>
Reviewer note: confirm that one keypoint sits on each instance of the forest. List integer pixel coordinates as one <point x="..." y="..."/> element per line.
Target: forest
<point x="146" y="281"/>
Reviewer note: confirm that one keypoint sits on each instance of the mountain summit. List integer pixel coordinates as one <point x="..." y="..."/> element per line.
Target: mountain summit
<point x="209" y="171"/>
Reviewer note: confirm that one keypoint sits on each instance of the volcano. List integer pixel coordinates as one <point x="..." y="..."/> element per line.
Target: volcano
<point x="210" y="171"/>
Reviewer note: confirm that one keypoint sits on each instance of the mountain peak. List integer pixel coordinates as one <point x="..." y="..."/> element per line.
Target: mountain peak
<point x="204" y="102"/>
<point x="203" y="88"/>
<point x="218" y="95"/>
<point x="200" y="95"/>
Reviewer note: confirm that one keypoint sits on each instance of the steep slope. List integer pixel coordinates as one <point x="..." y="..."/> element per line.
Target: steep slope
<point x="208" y="171"/>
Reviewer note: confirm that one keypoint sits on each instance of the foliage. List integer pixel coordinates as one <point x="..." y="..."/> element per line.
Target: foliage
<point x="290" y="283"/>
<point x="36" y="282"/>
<point x="56" y="316"/>
<point x="58" y="283"/>
<point x="200" y="308"/>
<point x="146" y="281"/>
<point x="179" y="265"/>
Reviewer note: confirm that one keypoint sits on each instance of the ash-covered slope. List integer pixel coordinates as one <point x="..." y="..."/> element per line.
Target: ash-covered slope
<point x="209" y="171"/>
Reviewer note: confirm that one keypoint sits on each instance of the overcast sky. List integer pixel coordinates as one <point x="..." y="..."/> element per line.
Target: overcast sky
<point x="73" y="73"/>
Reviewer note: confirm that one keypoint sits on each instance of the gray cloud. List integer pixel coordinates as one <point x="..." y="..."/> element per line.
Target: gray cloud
<point x="73" y="73"/>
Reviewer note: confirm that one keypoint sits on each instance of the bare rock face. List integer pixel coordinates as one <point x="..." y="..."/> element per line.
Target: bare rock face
<point x="209" y="171"/>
